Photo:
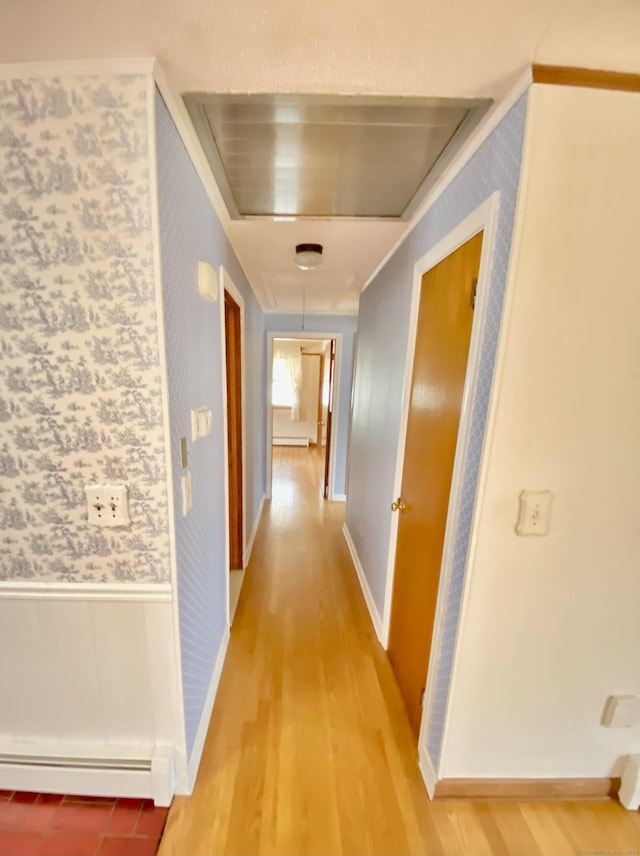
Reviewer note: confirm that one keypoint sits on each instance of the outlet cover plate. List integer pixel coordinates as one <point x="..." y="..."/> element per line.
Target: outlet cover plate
<point x="107" y="505"/>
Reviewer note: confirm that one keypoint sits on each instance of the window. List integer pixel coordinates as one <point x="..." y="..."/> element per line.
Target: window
<point x="282" y="392"/>
<point x="287" y="376"/>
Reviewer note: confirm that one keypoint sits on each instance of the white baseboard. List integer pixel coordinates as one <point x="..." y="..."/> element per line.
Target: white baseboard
<point x="290" y="441"/>
<point x="427" y="770"/>
<point x="338" y="497"/>
<point x="252" y="537"/>
<point x="198" y="744"/>
<point x="364" y="585"/>
<point x="96" y="770"/>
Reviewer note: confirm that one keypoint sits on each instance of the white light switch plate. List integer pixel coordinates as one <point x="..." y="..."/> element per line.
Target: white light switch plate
<point x="107" y="504"/>
<point x="621" y="711"/>
<point x="535" y="512"/>
<point x="201" y="422"/>
<point x="187" y="495"/>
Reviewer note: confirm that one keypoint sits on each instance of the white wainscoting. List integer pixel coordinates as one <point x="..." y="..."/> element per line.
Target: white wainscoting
<point x="85" y="677"/>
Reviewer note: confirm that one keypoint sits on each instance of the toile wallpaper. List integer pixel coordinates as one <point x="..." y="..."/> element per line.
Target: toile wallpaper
<point x="80" y="393"/>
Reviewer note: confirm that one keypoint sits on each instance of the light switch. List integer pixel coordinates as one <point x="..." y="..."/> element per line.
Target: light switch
<point x="535" y="512"/>
<point x="107" y="504"/>
<point x="201" y="422"/>
<point x="187" y="495"/>
<point x="621" y="711"/>
<point x="205" y="422"/>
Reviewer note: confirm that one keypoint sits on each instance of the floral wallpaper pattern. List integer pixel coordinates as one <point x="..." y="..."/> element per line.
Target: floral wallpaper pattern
<point x="80" y="394"/>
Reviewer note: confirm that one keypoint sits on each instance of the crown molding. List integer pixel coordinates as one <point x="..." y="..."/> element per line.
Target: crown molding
<point x="76" y="68"/>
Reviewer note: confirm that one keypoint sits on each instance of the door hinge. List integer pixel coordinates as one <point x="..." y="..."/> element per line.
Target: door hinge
<point x="474" y="292"/>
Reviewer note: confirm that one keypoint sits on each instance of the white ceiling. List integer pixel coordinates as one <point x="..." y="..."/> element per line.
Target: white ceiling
<point x="430" y="48"/>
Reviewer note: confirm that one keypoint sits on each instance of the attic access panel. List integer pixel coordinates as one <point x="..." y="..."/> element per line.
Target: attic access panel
<point x="329" y="156"/>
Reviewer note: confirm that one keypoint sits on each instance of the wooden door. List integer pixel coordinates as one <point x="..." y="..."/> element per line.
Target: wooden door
<point x="234" y="427"/>
<point x="327" y="451"/>
<point x="320" y="385"/>
<point x="440" y="363"/>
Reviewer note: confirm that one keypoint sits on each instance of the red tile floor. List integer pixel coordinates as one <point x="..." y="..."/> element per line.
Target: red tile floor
<point x="56" y="825"/>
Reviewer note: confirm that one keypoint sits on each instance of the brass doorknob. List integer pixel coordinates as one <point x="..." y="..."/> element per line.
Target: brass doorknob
<point x="398" y="505"/>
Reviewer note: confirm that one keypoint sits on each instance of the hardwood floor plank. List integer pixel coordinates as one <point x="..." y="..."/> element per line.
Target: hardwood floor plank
<point x="507" y="829"/>
<point x="309" y="749"/>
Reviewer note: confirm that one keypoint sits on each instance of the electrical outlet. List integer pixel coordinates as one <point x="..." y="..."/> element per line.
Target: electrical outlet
<point x="107" y="504"/>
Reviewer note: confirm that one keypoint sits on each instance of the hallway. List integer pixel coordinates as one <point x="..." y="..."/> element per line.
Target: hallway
<point x="309" y="750"/>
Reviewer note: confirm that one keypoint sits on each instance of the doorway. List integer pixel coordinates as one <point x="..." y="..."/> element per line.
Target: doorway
<point x="443" y="337"/>
<point x="234" y="359"/>
<point x="302" y="399"/>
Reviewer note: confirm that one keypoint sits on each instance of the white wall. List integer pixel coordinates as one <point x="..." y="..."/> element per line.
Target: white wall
<point x="551" y="624"/>
<point x="86" y="673"/>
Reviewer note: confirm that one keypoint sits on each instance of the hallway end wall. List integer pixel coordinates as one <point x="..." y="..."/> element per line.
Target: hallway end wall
<point x="347" y="325"/>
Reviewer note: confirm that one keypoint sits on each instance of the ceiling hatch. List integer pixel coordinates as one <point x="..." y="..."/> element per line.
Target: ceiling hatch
<point x="329" y="156"/>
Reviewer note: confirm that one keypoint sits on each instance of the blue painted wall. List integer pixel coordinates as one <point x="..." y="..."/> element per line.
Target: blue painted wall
<point x="347" y="325"/>
<point x="382" y="342"/>
<point x="190" y="232"/>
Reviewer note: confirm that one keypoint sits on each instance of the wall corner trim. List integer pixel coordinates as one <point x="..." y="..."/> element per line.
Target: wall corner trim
<point x="428" y="771"/>
<point x="198" y="744"/>
<point x="154" y="190"/>
<point x="364" y="585"/>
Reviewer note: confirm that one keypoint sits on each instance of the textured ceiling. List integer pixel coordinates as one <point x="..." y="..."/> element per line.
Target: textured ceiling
<point x="430" y="48"/>
<point x="451" y="48"/>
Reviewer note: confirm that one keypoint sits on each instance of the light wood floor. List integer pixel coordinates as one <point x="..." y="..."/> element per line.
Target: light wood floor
<point x="309" y="750"/>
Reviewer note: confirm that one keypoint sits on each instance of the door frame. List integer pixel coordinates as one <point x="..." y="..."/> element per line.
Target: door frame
<point x="484" y="218"/>
<point x="302" y="334"/>
<point x="227" y="284"/>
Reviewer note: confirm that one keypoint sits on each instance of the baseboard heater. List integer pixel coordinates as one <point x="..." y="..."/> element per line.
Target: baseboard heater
<point x="290" y="441"/>
<point x="150" y="777"/>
